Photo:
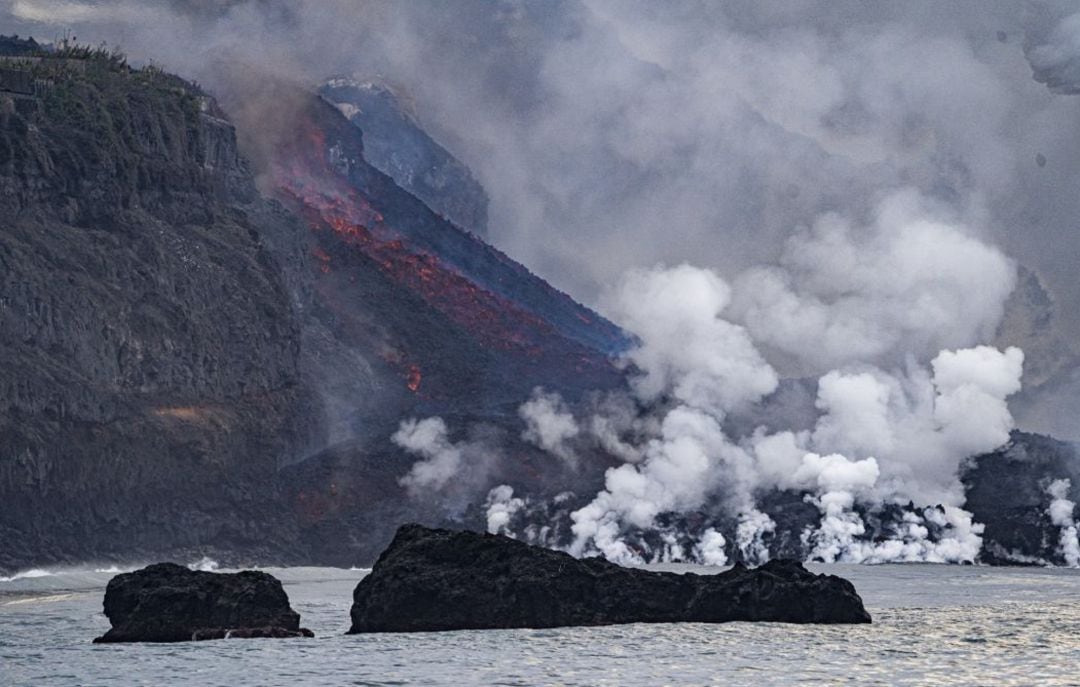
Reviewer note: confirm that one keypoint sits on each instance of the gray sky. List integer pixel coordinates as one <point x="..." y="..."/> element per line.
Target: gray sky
<point x="613" y="135"/>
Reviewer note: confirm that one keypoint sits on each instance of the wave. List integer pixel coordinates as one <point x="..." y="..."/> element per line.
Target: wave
<point x="85" y="578"/>
<point x="27" y="574"/>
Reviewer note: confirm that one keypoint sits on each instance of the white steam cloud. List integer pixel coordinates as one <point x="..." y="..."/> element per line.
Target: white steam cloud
<point x="442" y="459"/>
<point x="710" y="550"/>
<point x="550" y="425"/>
<point x="906" y="284"/>
<point x="449" y="473"/>
<point x="882" y="436"/>
<point x="500" y="507"/>
<point x="1055" y="58"/>
<point x="1061" y="514"/>
<point x="686" y="348"/>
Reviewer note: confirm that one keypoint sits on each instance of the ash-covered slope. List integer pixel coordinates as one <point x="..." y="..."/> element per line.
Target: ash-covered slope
<point x="395" y="144"/>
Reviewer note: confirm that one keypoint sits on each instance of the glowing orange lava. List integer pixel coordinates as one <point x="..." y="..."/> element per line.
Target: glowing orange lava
<point x="497" y="321"/>
<point x="413" y="378"/>
<point x="312" y="177"/>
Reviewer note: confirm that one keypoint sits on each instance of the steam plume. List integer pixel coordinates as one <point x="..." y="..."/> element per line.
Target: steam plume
<point x="549" y="425"/>
<point x="441" y="459"/>
<point x="881" y="436"/>
<point x="500" y="507"/>
<point x="1061" y="514"/>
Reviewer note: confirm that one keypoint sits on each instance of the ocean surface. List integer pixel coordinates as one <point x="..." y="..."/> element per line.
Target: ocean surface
<point x="933" y="625"/>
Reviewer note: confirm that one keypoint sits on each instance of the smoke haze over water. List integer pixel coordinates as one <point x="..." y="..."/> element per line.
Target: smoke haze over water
<point x="838" y="191"/>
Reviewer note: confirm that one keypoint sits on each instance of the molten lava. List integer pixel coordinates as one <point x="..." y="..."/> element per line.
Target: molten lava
<point x="413" y="379"/>
<point x="492" y="300"/>
<point x="497" y="321"/>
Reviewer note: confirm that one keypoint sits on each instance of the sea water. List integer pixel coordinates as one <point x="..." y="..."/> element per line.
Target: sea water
<point x="933" y="625"/>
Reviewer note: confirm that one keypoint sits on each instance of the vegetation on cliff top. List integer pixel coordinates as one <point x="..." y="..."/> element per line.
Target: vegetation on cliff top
<point x="100" y="121"/>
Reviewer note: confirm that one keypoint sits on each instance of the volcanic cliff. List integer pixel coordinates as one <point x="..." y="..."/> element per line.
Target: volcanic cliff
<point x="176" y="344"/>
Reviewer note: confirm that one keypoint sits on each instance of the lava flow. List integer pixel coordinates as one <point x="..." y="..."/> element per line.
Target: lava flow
<point x="327" y="184"/>
<point x="414" y="378"/>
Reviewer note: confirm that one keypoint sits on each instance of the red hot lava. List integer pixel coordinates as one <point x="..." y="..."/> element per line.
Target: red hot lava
<point x="312" y="176"/>
<point x="496" y="321"/>
<point x="413" y="378"/>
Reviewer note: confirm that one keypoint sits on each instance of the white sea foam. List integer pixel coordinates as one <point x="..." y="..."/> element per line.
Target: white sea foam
<point x="27" y="574"/>
<point x="205" y="564"/>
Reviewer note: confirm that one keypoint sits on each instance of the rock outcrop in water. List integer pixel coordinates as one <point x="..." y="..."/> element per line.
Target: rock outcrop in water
<point x="1006" y="491"/>
<point x="170" y="603"/>
<point x="432" y="579"/>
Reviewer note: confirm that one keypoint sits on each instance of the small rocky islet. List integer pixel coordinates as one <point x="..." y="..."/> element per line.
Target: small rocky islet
<point x="166" y="602"/>
<point x="437" y="580"/>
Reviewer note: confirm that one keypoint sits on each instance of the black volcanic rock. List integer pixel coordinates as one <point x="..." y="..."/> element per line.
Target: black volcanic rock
<point x="1006" y="491"/>
<point x="431" y="580"/>
<point x="170" y="603"/>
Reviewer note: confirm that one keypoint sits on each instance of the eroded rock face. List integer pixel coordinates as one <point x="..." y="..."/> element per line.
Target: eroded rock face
<point x="431" y="579"/>
<point x="152" y="376"/>
<point x="166" y="602"/>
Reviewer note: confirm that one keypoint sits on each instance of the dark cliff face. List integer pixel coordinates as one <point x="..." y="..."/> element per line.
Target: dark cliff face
<point x="150" y="355"/>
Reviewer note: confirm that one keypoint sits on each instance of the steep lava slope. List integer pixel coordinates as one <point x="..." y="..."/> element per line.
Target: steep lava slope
<point x="467" y="328"/>
<point x="447" y="324"/>
<point x="396" y="144"/>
